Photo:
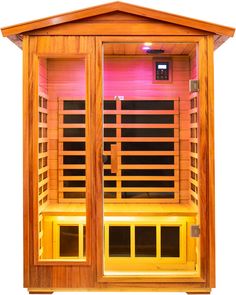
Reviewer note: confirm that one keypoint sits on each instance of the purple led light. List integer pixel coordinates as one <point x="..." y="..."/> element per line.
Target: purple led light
<point x="146" y="47"/>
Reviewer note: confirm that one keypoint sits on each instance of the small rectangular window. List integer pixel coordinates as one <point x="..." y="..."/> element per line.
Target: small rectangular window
<point x="170" y="241"/>
<point x="119" y="241"/>
<point x="69" y="241"/>
<point x="145" y="241"/>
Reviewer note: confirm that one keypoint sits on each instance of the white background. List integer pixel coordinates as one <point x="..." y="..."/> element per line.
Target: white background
<point x="11" y="241"/>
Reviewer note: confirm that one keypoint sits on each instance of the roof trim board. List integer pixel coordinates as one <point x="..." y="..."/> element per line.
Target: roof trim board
<point x="114" y="7"/>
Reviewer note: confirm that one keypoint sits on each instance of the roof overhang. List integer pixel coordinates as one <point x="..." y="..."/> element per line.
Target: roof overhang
<point x="14" y="33"/>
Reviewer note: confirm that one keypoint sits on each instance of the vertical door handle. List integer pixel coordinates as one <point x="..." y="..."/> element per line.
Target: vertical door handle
<point x="114" y="158"/>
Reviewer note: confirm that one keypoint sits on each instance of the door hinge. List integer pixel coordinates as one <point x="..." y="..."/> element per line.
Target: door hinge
<point x="195" y="231"/>
<point x="193" y="85"/>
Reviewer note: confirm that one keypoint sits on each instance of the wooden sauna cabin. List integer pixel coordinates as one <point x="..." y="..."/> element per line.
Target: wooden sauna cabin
<point x="118" y="150"/>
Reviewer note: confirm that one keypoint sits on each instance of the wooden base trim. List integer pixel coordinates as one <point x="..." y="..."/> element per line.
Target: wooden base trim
<point x="39" y="291"/>
<point x="199" y="291"/>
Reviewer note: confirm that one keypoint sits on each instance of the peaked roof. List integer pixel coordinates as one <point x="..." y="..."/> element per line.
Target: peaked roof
<point x="14" y="32"/>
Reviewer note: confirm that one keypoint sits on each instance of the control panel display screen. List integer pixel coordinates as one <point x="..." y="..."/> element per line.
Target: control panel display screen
<point x="162" y="67"/>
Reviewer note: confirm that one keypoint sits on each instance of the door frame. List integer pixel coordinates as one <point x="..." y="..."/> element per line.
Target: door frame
<point x="206" y="159"/>
<point x="34" y="49"/>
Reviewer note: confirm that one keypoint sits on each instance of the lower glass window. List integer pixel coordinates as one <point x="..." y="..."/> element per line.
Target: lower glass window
<point x="119" y="241"/>
<point x="170" y="241"/>
<point x="69" y="241"/>
<point x="145" y="241"/>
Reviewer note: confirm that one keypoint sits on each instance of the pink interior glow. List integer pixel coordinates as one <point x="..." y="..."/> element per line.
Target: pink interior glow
<point x="146" y="47"/>
<point x="133" y="78"/>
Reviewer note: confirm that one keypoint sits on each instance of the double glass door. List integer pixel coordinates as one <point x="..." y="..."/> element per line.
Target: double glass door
<point x="141" y="190"/>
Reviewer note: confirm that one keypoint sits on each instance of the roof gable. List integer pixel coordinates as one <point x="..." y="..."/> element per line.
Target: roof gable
<point x="117" y="24"/>
<point x="13" y="32"/>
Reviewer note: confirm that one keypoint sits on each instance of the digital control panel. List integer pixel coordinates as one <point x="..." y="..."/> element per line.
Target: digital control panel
<point x="162" y="71"/>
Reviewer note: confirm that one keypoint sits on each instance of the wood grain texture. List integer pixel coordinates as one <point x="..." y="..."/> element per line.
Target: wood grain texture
<point x="98" y="160"/>
<point x="117" y="28"/>
<point x="199" y="293"/>
<point x="39" y="276"/>
<point x="26" y="161"/>
<point x="40" y="292"/>
<point x="211" y="163"/>
<point x="189" y="289"/>
<point x="124" y="7"/>
<point x="100" y="262"/>
<point x="203" y="160"/>
<point x="136" y="49"/>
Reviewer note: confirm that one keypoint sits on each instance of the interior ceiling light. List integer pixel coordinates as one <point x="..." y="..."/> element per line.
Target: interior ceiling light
<point x="148" y="44"/>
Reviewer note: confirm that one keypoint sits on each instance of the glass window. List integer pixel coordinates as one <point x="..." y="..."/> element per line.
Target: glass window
<point x="145" y="241"/>
<point x="170" y="241"/>
<point x="69" y="241"/>
<point x="119" y="241"/>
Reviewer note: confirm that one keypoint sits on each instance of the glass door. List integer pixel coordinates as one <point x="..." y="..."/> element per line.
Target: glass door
<point x="145" y="230"/>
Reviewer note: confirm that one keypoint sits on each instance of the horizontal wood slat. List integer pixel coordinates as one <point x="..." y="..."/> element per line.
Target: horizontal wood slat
<point x="123" y="177"/>
<point x="143" y="125"/>
<point x="195" y="182"/>
<point x="75" y="98"/>
<point x="141" y="189"/>
<point x="141" y="167"/>
<point x="72" y="112"/>
<point x="141" y="139"/>
<point x="42" y="155"/>
<point x="43" y="182"/>
<point x="71" y="166"/>
<point x="137" y="112"/>
<point x="144" y="153"/>
<point x="61" y="126"/>
<point x="72" y="153"/>
<point x="42" y="170"/>
<point x="72" y="189"/>
<point x="71" y="139"/>
<point x="134" y="98"/>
